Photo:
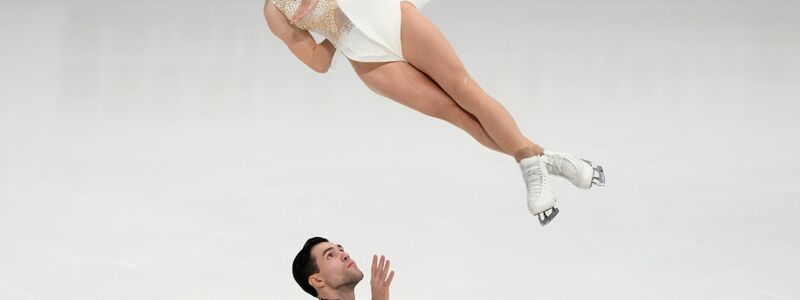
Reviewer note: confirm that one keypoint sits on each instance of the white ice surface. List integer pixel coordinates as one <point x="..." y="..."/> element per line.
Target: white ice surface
<point x="176" y="150"/>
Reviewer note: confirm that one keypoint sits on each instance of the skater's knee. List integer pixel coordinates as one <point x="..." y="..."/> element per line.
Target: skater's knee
<point x="464" y="90"/>
<point x="456" y="81"/>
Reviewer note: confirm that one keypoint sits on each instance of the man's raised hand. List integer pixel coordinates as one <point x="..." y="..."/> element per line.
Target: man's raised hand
<point x="380" y="281"/>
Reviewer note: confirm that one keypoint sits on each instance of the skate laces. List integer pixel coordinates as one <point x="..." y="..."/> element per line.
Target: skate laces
<point x="558" y="160"/>
<point x="536" y="179"/>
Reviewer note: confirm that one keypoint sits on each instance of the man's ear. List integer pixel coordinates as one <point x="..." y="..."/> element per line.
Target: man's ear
<point x="316" y="281"/>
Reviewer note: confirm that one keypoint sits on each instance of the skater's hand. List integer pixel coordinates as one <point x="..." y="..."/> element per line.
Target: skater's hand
<point x="305" y="7"/>
<point x="379" y="281"/>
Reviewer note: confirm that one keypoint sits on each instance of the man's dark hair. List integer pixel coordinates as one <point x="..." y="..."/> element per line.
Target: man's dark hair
<point x="304" y="265"/>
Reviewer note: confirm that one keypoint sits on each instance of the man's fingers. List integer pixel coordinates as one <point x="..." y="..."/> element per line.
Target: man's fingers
<point x="389" y="280"/>
<point x="374" y="263"/>
<point x="385" y="269"/>
<point x="380" y="270"/>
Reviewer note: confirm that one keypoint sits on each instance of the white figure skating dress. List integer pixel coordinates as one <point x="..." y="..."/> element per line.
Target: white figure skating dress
<point x="363" y="30"/>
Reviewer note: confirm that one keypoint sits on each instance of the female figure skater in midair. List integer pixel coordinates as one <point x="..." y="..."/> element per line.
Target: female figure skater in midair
<point x="399" y="54"/>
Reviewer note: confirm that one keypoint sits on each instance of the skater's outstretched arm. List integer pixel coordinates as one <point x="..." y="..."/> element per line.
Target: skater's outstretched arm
<point x="316" y="56"/>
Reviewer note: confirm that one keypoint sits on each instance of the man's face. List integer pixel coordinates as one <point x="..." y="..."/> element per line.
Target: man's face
<point x="335" y="266"/>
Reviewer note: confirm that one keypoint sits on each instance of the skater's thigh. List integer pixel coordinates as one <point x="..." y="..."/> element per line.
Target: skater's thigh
<point x="427" y="49"/>
<point x="406" y="85"/>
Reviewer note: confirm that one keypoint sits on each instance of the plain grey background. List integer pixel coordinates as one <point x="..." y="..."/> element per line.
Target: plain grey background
<point x="176" y="150"/>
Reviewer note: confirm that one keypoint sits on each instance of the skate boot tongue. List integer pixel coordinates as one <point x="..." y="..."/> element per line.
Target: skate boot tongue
<point x="541" y="201"/>
<point x="530" y="161"/>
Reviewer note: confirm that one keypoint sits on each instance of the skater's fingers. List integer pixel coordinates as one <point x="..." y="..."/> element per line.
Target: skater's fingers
<point x="381" y="263"/>
<point x="297" y="17"/>
<point x="305" y="7"/>
<point x="300" y="13"/>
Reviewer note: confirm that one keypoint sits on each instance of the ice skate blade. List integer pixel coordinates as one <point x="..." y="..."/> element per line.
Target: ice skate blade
<point x="599" y="178"/>
<point x="544" y="218"/>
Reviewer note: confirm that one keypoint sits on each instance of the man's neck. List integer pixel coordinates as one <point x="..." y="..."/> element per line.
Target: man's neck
<point x="342" y="294"/>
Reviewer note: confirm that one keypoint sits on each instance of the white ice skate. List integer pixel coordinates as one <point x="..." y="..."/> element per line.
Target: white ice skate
<point x="580" y="172"/>
<point x="541" y="202"/>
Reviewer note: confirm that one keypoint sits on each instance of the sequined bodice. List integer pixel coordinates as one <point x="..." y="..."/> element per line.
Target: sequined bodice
<point x="325" y="18"/>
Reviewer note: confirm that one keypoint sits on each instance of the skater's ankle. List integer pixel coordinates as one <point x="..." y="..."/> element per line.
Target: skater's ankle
<point x="528" y="151"/>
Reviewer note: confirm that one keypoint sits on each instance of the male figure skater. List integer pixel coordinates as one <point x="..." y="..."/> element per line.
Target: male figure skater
<point x="325" y="271"/>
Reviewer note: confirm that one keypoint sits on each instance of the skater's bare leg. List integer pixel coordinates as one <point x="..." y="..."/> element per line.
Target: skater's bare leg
<point x="428" y="50"/>
<point x="405" y="84"/>
<point x="528" y="152"/>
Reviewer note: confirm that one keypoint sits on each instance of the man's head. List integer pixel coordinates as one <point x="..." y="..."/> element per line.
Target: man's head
<point x="321" y="264"/>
